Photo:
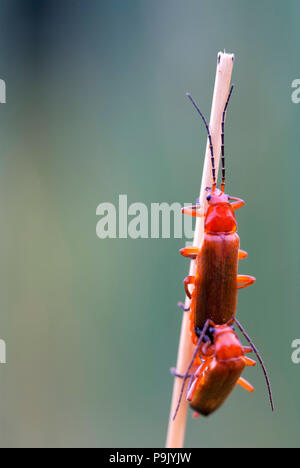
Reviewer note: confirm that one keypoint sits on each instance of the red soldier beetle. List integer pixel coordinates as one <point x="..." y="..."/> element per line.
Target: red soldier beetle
<point x="220" y="360"/>
<point x="216" y="282"/>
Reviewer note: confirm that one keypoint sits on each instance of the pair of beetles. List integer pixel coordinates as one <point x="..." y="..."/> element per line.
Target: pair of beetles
<point x="219" y="357"/>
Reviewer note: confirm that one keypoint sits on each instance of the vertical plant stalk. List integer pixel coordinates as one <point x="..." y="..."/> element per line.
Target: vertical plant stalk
<point x="176" y="430"/>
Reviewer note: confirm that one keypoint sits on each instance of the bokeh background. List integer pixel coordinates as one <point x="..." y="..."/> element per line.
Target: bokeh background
<point x="95" y="107"/>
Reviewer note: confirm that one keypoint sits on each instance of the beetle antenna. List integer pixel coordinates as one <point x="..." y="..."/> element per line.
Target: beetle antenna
<point x="187" y="374"/>
<point x="260" y="361"/>
<point x="222" y="139"/>
<point x="209" y="139"/>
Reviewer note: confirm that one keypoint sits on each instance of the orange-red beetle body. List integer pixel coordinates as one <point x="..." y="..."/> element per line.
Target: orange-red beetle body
<point x="215" y="293"/>
<point x="216" y="281"/>
<point x="220" y="372"/>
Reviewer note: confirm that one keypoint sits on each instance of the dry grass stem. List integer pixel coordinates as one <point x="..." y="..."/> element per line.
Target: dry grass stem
<point x="176" y="429"/>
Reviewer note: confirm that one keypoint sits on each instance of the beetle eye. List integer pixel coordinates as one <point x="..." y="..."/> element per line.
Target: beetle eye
<point x="208" y="197"/>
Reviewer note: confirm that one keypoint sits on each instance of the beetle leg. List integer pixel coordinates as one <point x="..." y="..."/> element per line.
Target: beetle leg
<point x="190" y="389"/>
<point x="180" y="376"/>
<point x="188" y="280"/>
<point x="193" y="210"/>
<point x="189" y="252"/>
<point x="243" y="281"/>
<point x="249" y="362"/>
<point x="237" y="203"/>
<point x="245" y="384"/>
<point x="247" y="349"/>
<point x="182" y="307"/>
<point x="242" y="254"/>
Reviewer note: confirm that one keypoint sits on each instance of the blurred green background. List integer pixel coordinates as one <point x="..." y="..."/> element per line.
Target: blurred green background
<point x="96" y="106"/>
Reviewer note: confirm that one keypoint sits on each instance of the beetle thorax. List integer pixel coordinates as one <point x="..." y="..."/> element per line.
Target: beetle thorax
<point x="227" y="344"/>
<point x="220" y="218"/>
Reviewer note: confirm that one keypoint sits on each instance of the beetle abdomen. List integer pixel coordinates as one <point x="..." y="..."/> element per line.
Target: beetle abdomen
<point x="215" y="293"/>
<point x="215" y="384"/>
